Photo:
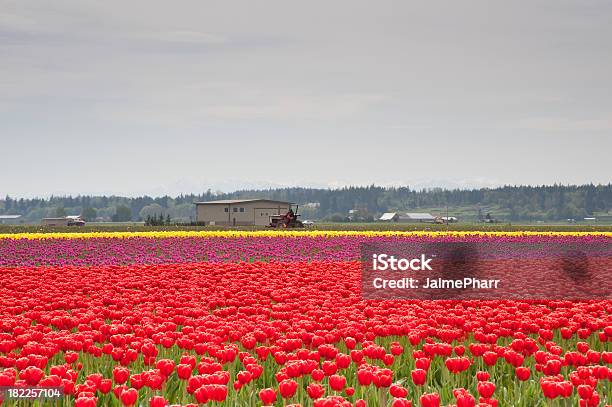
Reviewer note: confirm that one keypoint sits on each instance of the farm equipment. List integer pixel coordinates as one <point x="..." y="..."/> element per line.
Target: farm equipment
<point x="288" y="220"/>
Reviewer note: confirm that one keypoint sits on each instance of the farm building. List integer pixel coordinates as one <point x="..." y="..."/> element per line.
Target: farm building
<point x="417" y="217"/>
<point x="10" y="219"/>
<point x="240" y="212"/>
<point x="63" y="221"/>
<point x="389" y="217"/>
<point x="54" y="222"/>
<point x="409" y="217"/>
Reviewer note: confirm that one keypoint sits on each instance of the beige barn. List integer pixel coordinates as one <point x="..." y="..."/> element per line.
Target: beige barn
<point x="240" y="212"/>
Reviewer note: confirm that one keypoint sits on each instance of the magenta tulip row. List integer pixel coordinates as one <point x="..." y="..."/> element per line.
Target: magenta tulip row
<point x="117" y="251"/>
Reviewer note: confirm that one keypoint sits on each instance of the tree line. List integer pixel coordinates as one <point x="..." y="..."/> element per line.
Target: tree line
<point x="509" y="203"/>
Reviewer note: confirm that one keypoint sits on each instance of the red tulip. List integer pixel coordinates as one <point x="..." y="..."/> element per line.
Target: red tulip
<point x="419" y="376"/>
<point x="32" y="375"/>
<point x="315" y="390"/>
<point x="457" y="365"/>
<point x="422" y="363"/>
<point x="85" y="402"/>
<point x="329" y="368"/>
<point x="120" y="374"/>
<point x="585" y="391"/>
<point x="398" y="391"/>
<point x="267" y="396"/>
<point x="383" y="379"/>
<point x="183" y="371"/>
<point x="119" y="389"/>
<point x="401" y="403"/>
<point x="337" y="382"/>
<point x="490" y="358"/>
<point x="430" y="400"/>
<point x="464" y="398"/>
<point x="522" y="373"/>
<point x="158" y="401"/>
<point x="317" y="375"/>
<point x="356" y="355"/>
<point x="582" y="347"/>
<point x="343" y="361"/>
<point x="155" y="381"/>
<point x="396" y="349"/>
<point x="165" y="366"/>
<point x="486" y="389"/>
<point x="129" y="397"/>
<point x="105" y="386"/>
<point x="243" y="376"/>
<point x="482" y="376"/>
<point x="364" y="377"/>
<point x="71" y="357"/>
<point x="287" y="388"/>
<point x="137" y="381"/>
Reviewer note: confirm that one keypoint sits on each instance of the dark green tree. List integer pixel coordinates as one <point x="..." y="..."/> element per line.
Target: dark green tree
<point x="89" y="214"/>
<point x="123" y="213"/>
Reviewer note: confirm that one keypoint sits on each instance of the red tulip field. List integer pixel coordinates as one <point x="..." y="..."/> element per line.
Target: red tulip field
<point x="244" y="321"/>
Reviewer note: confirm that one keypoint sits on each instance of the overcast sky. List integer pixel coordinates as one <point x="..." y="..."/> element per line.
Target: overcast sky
<point x="133" y="97"/>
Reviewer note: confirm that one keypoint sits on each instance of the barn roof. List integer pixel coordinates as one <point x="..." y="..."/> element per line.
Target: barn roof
<point x="238" y="201"/>
<point x="423" y="216"/>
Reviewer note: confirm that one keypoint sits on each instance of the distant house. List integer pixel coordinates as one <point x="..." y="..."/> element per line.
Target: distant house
<point x="54" y="222"/>
<point x="10" y="219"/>
<point x="389" y="217"/>
<point x="314" y="205"/>
<point x="408" y="217"/>
<point x="63" y="221"/>
<point x="417" y="217"/>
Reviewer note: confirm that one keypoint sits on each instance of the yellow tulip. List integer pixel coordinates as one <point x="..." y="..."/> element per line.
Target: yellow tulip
<point x="276" y="233"/>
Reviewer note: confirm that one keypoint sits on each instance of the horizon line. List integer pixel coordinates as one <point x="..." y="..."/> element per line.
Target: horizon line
<point x="330" y="188"/>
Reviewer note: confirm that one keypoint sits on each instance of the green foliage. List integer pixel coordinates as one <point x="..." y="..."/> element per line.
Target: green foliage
<point x="123" y="213"/>
<point x="156" y="220"/>
<point x="338" y="217"/>
<point x="150" y="211"/>
<point x="507" y="204"/>
<point x="60" y="212"/>
<point x="89" y="214"/>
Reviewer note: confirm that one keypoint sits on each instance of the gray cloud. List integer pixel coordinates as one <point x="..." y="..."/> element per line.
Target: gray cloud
<point x="138" y="96"/>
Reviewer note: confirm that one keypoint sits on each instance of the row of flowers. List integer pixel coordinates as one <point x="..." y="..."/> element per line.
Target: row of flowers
<point x="291" y="333"/>
<point x="287" y="233"/>
<point x="143" y="250"/>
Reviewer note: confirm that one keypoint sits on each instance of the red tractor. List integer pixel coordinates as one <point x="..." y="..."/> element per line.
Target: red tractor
<point x="288" y="220"/>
